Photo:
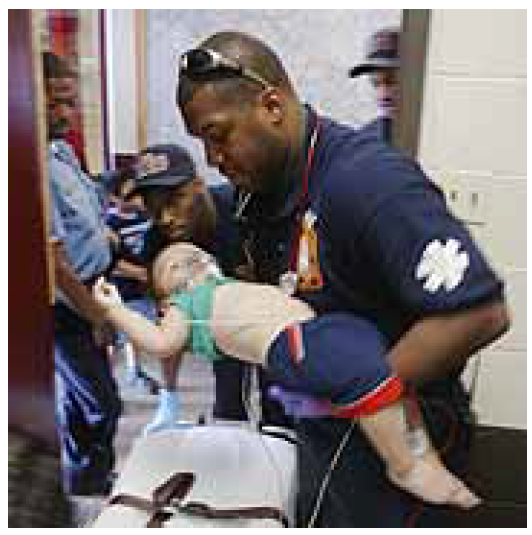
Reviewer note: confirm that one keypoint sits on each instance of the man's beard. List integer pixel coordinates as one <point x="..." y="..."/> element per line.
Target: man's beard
<point x="272" y="175"/>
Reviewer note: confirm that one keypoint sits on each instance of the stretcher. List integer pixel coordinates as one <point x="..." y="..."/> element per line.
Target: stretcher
<point x="206" y="476"/>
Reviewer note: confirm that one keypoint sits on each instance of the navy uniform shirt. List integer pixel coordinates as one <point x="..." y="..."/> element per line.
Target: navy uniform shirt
<point x="389" y="249"/>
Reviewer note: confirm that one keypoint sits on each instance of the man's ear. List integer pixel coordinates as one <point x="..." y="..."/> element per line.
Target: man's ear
<point x="273" y="104"/>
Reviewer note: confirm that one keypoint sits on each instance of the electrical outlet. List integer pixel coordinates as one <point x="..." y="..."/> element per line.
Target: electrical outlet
<point x="465" y="198"/>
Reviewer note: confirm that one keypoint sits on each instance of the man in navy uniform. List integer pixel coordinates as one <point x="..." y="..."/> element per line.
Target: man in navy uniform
<point x="346" y="223"/>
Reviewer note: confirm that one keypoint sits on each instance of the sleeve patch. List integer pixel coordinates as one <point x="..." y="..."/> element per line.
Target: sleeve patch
<point x="442" y="265"/>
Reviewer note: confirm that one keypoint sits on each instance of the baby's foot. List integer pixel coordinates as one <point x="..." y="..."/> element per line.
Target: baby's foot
<point x="432" y="482"/>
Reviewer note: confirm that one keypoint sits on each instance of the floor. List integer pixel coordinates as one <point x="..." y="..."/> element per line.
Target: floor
<point x="196" y="397"/>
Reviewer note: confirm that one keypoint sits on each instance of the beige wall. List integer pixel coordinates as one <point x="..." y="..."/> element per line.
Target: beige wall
<point x="473" y="143"/>
<point x="122" y="80"/>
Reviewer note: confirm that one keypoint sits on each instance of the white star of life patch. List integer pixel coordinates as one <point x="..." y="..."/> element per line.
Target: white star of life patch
<point x="442" y="265"/>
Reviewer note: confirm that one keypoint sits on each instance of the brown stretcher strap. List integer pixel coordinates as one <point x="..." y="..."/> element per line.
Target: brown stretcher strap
<point x="202" y="509"/>
<point x="166" y="501"/>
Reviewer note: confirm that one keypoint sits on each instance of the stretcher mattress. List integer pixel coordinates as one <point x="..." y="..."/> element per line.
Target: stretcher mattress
<point x="228" y="467"/>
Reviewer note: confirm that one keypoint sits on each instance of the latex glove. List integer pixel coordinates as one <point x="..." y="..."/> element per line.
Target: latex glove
<point x="300" y="405"/>
<point x="106" y="294"/>
<point x="167" y="414"/>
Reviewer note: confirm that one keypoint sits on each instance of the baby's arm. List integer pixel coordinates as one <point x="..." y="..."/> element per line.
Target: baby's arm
<point x="164" y="340"/>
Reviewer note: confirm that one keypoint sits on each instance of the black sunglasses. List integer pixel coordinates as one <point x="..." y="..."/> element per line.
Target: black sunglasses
<point x="202" y="61"/>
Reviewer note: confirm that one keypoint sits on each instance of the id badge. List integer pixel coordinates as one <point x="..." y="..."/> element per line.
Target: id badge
<point x="309" y="273"/>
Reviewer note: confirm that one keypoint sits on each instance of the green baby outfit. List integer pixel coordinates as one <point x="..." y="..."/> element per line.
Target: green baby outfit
<point x="197" y="305"/>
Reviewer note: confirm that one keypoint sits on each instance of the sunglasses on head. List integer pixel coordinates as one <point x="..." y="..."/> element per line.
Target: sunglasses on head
<point x="204" y="61"/>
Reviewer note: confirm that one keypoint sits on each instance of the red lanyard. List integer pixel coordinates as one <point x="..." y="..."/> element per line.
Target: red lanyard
<point x="303" y="198"/>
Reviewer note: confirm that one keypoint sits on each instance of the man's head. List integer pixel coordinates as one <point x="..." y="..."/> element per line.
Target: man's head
<point x="179" y="266"/>
<point x="236" y="97"/>
<point x="174" y="196"/>
<point x="381" y="63"/>
<point x="60" y="93"/>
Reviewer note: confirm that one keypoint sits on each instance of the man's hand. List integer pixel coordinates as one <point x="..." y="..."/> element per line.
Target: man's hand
<point x="105" y="294"/>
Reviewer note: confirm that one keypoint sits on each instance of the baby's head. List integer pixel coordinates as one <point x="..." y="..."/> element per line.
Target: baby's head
<point x="179" y="266"/>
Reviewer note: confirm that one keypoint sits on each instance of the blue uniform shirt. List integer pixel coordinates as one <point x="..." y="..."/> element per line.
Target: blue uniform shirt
<point x="389" y="250"/>
<point x="77" y="206"/>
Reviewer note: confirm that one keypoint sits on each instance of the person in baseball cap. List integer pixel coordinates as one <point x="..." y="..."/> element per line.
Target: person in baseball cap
<point x="381" y="63"/>
<point x="175" y="197"/>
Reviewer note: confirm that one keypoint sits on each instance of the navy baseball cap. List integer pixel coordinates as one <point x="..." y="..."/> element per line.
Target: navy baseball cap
<point x="382" y="53"/>
<point x="162" y="165"/>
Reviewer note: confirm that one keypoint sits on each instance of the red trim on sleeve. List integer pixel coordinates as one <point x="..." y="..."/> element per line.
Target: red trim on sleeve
<point x="295" y="343"/>
<point x="385" y="394"/>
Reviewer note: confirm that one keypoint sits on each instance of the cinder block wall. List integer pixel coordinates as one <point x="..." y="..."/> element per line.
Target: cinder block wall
<point x="473" y="142"/>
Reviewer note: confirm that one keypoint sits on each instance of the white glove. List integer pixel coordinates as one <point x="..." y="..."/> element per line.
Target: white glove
<point x="106" y="294"/>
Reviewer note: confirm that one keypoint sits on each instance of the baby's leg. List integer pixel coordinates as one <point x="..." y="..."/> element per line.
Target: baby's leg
<point x="412" y="463"/>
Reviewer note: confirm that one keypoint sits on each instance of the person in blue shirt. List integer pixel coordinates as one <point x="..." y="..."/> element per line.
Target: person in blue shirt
<point x="87" y="401"/>
<point x="348" y="224"/>
<point x="183" y="208"/>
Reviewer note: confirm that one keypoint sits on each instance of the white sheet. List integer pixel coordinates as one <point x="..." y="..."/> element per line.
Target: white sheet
<point x="234" y="466"/>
